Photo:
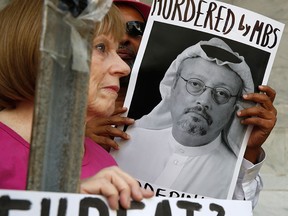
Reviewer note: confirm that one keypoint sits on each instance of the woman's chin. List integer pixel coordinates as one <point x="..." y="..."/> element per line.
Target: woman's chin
<point x="101" y="110"/>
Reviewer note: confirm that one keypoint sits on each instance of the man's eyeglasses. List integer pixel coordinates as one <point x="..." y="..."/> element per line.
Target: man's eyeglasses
<point x="135" y="28"/>
<point x="196" y="86"/>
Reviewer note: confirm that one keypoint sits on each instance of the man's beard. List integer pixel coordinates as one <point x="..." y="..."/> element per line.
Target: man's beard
<point x="190" y="127"/>
<point x="124" y="81"/>
<point x="192" y="124"/>
<point x="129" y="62"/>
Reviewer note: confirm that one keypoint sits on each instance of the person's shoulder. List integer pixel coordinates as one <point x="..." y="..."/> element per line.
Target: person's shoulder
<point x="11" y="138"/>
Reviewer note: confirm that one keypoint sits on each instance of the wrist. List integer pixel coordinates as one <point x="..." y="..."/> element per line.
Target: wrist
<point x="253" y="154"/>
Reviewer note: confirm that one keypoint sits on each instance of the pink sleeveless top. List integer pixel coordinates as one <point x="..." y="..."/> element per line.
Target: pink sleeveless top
<point x="14" y="158"/>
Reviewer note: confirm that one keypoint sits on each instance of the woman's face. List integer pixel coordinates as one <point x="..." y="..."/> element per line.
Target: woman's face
<point x="106" y="70"/>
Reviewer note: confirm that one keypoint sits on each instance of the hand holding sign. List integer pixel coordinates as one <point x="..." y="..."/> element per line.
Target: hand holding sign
<point x="115" y="185"/>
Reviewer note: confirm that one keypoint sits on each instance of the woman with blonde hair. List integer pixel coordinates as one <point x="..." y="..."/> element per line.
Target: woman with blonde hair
<point x="20" y="27"/>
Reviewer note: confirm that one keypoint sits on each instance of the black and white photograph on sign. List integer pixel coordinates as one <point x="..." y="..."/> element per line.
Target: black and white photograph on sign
<point x="187" y="89"/>
<point x="161" y="51"/>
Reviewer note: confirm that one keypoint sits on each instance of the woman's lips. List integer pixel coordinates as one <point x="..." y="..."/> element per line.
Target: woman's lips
<point x="113" y="88"/>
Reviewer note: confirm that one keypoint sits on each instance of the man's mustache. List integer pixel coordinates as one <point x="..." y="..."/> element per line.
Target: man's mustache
<point x="200" y="110"/>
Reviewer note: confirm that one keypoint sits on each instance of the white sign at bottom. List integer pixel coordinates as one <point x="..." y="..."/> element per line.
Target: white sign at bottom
<point x="24" y="203"/>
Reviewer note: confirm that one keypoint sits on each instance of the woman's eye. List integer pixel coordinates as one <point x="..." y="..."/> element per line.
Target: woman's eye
<point x="100" y="47"/>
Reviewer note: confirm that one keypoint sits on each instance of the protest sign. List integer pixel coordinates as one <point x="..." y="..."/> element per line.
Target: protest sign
<point x="181" y="140"/>
<point x="22" y="203"/>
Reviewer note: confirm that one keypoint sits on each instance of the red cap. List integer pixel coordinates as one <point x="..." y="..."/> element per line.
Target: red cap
<point x="144" y="9"/>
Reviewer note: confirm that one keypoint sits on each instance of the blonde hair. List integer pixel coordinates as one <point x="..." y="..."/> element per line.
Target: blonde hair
<point x="112" y="24"/>
<point x="20" y="29"/>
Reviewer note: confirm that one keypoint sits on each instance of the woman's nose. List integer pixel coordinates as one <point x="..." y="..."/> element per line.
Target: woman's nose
<point x="120" y="67"/>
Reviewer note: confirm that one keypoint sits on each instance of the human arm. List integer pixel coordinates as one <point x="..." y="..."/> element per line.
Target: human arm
<point x="263" y="118"/>
<point x="102" y="130"/>
<point x="249" y="182"/>
<point x="116" y="185"/>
